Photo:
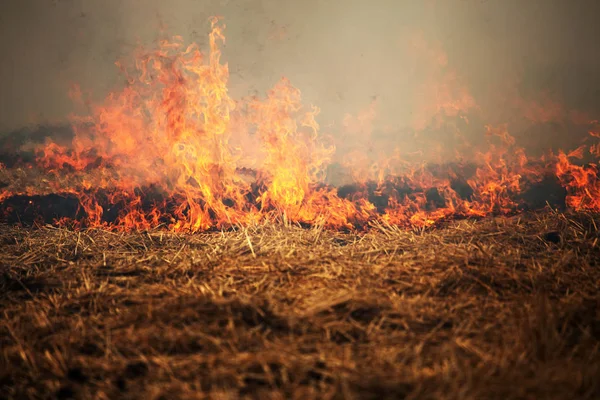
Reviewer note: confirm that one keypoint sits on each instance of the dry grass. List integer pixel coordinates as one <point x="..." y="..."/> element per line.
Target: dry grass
<point x="499" y="308"/>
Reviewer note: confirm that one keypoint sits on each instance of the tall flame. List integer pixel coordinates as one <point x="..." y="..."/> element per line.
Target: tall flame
<point x="172" y="149"/>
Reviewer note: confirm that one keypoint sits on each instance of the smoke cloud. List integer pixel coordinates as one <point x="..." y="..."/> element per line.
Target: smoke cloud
<point x="397" y="67"/>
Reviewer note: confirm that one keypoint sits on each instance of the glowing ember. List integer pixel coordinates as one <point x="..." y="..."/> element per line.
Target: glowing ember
<point x="173" y="149"/>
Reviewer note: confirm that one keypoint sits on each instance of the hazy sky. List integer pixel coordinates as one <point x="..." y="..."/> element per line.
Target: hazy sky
<point x="340" y="53"/>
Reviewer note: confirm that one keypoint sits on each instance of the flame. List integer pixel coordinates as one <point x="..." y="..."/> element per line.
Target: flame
<point x="172" y="149"/>
<point x="581" y="182"/>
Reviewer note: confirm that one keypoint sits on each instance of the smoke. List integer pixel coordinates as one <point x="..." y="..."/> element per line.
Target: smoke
<point x="412" y="66"/>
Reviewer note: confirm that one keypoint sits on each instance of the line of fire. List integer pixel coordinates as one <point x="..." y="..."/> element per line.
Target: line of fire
<point x="194" y="224"/>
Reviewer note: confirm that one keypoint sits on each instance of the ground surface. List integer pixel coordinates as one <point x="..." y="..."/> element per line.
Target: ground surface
<point x="499" y="308"/>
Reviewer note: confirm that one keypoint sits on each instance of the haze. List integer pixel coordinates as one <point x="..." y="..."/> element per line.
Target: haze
<point x="342" y="55"/>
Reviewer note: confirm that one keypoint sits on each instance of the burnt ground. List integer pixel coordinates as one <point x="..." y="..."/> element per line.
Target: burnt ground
<point x="500" y="308"/>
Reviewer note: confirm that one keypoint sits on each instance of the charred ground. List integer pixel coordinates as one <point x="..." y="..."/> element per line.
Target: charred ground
<point x="495" y="308"/>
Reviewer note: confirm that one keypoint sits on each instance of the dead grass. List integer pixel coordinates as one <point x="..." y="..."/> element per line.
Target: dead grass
<point x="499" y="308"/>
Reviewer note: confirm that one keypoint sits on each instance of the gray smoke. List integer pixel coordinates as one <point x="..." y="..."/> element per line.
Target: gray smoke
<point x="341" y="54"/>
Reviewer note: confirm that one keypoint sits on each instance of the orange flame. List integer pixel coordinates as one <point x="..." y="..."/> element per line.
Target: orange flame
<point x="172" y="149"/>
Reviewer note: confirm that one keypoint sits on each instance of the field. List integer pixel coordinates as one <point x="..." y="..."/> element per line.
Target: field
<point x="504" y="308"/>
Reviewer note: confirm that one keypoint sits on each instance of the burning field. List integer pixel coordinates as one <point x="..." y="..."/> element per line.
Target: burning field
<point x="176" y="242"/>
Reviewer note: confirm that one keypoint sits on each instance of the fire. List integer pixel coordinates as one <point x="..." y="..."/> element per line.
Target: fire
<point x="581" y="182"/>
<point x="174" y="150"/>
